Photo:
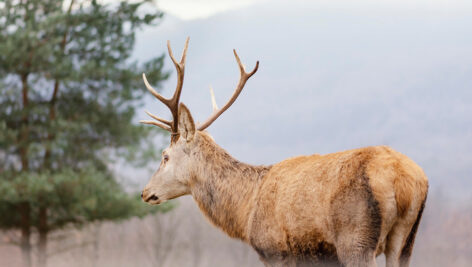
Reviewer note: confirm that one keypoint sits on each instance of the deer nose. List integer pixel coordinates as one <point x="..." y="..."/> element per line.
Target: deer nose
<point x="148" y="196"/>
<point x="145" y="195"/>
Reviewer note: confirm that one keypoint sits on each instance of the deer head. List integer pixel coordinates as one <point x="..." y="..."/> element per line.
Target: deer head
<point x="173" y="177"/>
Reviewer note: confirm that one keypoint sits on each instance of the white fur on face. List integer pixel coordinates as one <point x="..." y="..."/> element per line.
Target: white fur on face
<point x="172" y="178"/>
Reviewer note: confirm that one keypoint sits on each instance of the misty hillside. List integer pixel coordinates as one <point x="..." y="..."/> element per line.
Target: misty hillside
<point x="333" y="78"/>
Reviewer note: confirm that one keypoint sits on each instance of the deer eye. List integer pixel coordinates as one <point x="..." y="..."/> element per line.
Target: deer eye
<point x="165" y="158"/>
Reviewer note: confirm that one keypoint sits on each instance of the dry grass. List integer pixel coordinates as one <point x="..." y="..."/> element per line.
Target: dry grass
<point x="184" y="238"/>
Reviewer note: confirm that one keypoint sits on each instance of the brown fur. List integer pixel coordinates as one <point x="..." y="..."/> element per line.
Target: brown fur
<point x="339" y="209"/>
<point x="331" y="208"/>
<point x="308" y="206"/>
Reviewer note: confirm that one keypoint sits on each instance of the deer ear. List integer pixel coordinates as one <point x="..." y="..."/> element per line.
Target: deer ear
<point x="186" y="125"/>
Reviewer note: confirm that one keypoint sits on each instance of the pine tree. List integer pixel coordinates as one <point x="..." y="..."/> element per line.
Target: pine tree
<point x="69" y="90"/>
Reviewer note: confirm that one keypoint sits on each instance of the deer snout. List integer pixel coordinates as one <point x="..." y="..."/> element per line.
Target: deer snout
<point x="150" y="197"/>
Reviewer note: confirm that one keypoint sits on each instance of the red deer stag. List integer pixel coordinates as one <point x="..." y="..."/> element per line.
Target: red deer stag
<point x="339" y="209"/>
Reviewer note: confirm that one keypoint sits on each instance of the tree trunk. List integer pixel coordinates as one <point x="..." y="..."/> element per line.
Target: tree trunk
<point x="25" y="243"/>
<point x="43" y="228"/>
<point x="96" y="244"/>
<point x="43" y="237"/>
<point x="24" y="134"/>
<point x="42" y="249"/>
<point x="24" y="207"/>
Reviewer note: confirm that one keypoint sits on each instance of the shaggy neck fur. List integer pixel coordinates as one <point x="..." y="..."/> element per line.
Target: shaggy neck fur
<point x="224" y="188"/>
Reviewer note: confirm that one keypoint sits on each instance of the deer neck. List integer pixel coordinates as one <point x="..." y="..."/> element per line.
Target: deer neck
<point x="225" y="188"/>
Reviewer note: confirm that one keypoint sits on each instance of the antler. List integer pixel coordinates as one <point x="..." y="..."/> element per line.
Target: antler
<point x="244" y="76"/>
<point x="171" y="103"/>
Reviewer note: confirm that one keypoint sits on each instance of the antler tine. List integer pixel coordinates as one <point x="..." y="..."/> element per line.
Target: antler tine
<point x="213" y="100"/>
<point x="158" y="119"/>
<point x="241" y="66"/>
<point x="244" y="76"/>
<point x="165" y="127"/>
<point x="180" y="67"/>
<point x="171" y="103"/>
<point x="153" y="92"/>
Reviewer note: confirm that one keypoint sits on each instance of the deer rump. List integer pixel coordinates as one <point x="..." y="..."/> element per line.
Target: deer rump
<point x="337" y="208"/>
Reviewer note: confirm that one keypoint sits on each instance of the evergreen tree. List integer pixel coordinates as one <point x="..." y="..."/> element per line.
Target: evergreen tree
<point x="68" y="96"/>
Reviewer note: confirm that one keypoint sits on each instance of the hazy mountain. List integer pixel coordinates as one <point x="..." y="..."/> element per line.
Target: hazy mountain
<point x="333" y="77"/>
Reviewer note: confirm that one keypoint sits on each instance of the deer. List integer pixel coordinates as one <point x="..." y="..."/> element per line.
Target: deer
<point x="337" y="209"/>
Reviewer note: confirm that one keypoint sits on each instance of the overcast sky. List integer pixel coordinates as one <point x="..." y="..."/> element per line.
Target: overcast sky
<point x="193" y="9"/>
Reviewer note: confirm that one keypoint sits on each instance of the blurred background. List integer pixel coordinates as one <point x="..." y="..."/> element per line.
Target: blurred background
<point x="333" y="75"/>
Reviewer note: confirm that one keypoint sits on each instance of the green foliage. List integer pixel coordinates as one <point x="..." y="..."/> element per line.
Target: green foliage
<point x="72" y="196"/>
<point x="68" y="93"/>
